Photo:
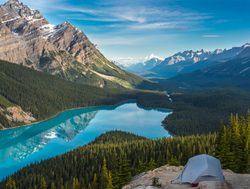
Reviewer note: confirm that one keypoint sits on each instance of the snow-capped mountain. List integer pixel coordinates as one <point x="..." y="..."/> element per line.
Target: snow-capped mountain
<point x="188" y="61"/>
<point x="187" y="56"/>
<point x="27" y="38"/>
<point x="145" y="65"/>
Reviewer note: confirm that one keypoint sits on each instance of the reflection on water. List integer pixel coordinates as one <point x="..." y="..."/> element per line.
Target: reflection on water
<point x="22" y="142"/>
<point x="71" y="129"/>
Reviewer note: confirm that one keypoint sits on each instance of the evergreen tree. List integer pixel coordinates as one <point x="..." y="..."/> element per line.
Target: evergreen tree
<point x="53" y="186"/>
<point x="94" y="183"/>
<point x="75" y="184"/>
<point x="124" y="172"/>
<point x="110" y="184"/>
<point x="10" y="184"/>
<point x="151" y="164"/>
<point x="43" y="184"/>
<point x="141" y="167"/>
<point x="104" y="178"/>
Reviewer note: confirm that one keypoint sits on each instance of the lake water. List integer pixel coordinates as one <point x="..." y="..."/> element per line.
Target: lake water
<point x="70" y="129"/>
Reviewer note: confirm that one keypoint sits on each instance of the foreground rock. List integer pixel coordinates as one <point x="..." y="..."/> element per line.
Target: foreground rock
<point x="167" y="173"/>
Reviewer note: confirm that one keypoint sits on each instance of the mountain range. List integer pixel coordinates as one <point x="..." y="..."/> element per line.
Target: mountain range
<point x="187" y="62"/>
<point x="228" y="69"/>
<point x="28" y="39"/>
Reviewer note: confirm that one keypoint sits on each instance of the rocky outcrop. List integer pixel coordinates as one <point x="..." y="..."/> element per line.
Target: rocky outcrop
<point x="27" y="38"/>
<point x="165" y="174"/>
<point x="15" y="115"/>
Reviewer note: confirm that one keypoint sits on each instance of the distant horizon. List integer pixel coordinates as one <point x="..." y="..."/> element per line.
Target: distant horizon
<point x="131" y="30"/>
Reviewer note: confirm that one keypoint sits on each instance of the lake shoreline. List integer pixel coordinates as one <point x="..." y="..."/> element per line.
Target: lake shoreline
<point x="114" y="105"/>
<point x="69" y="109"/>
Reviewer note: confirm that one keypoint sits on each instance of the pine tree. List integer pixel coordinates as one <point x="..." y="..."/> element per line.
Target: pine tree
<point x="43" y="184"/>
<point x="124" y="173"/>
<point x="141" y="167"/>
<point x="53" y="186"/>
<point x="110" y="184"/>
<point x="94" y="183"/>
<point x="75" y="184"/>
<point x="104" y="176"/>
<point x="10" y="184"/>
<point x="151" y="164"/>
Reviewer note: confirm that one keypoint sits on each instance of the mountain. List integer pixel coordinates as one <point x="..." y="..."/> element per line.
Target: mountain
<point x="232" y="73"/>
<point x="27" y="38"/>
<point x="143" y="67"/>
<point x="189" y="61"/>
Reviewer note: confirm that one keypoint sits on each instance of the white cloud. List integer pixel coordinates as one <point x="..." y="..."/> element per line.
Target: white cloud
<point x="211" y="36"/>
<point x="127" y="61"/>
<point x="118" y="40"/>
<point x="135" y="16"/>
<point x="161" y="25"/>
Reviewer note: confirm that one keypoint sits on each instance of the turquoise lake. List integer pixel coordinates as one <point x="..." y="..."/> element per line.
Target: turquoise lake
<point x="73" y="128"/>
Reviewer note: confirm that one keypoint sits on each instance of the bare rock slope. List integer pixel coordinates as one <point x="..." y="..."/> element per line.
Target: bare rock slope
<point x="168" y="173"/>
<point x="27" y="38"/>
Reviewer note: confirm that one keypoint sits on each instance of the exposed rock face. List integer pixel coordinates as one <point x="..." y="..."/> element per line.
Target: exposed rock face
<point x="27" y="38"/>
<point x="166" y="174"/>
<point x="16" y="115"/>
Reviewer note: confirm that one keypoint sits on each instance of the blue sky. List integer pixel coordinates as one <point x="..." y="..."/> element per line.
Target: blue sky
<point x="137" y="28"/>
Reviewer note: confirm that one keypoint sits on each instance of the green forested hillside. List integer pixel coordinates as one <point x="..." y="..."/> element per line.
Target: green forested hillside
<point x="115" y="157"/>
<point x="44" y="95"/>
<point x="204" y="111"/>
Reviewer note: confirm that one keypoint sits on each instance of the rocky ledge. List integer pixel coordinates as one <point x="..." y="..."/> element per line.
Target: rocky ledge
<point x="162" y="177"/>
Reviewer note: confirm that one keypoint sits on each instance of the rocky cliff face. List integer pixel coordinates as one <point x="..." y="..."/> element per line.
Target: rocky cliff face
<point x="28" y="39"/>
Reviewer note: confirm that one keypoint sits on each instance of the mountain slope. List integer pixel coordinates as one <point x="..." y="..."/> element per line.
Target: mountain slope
<point x="28" y="39"/>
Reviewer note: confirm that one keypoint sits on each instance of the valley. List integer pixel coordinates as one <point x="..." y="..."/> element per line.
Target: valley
<point x="74" y="118"/>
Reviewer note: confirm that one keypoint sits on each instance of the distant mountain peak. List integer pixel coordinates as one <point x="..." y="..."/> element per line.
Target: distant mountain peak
<point x="13" y="2"/>
<point x="246" y="45"/>
<point x="152" y="56"/>
<point x="218" y="51"/>
<point x="14" y="10"/>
